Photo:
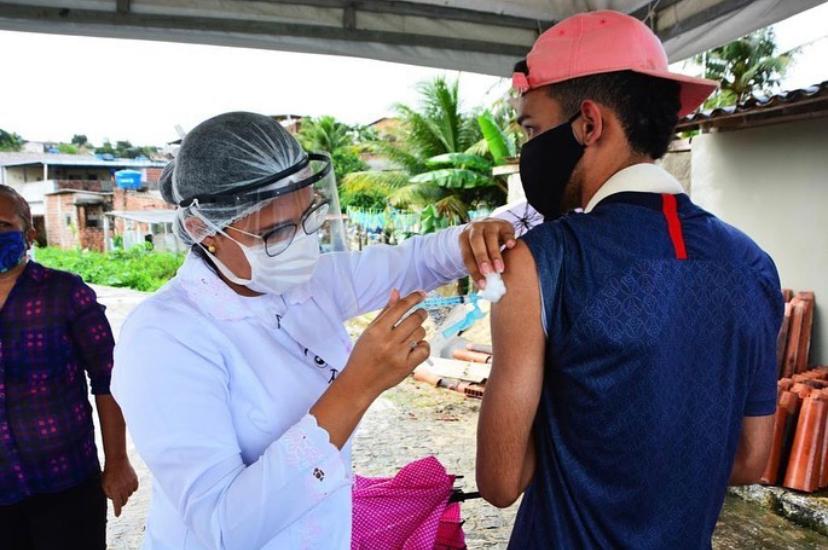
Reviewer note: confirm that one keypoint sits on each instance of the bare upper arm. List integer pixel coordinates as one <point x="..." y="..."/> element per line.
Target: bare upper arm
<point x="517" y="327"/>
<point x="755" y="441"/>
<point x="514" y="386"/>
<point x="757" y="434"/>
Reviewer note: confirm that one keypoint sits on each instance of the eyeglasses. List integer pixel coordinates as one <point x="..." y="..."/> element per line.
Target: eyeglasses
<point x="278" y="239"/>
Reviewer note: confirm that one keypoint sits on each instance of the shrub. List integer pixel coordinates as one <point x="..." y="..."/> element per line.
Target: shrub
<point x="136" y="268"/>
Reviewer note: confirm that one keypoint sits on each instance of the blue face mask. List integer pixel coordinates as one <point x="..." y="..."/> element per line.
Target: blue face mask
<point x="12" y="250"/>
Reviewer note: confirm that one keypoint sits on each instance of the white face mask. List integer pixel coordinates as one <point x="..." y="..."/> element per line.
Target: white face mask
<point x="277" y="274"/>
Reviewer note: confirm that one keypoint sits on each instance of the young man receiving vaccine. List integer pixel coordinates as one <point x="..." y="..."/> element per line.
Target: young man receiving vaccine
<point x="634" y="352"/>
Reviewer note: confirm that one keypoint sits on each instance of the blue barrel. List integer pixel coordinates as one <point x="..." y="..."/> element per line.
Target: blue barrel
<point x="128" y="179"/>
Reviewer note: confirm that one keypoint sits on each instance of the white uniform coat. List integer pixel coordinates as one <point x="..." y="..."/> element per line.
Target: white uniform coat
<point x="216" y="388"/>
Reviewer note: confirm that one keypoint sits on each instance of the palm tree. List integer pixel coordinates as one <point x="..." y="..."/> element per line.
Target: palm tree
<point x="329" y="135"/>
<point x="744" y="67"/>
<point x="444" y="170"/>
<point x="324" y="134"/>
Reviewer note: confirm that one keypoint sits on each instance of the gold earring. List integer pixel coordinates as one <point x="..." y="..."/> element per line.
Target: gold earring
<point x="212" y="249"/>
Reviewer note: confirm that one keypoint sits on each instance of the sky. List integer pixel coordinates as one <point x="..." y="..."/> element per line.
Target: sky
<point x="56" y="86"/>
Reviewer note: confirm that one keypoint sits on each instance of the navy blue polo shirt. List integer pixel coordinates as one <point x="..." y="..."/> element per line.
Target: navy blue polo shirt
<point x="661" y="325"/>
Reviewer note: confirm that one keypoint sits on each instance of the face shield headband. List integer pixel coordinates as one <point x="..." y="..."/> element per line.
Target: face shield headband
<point x="252" y="193"/>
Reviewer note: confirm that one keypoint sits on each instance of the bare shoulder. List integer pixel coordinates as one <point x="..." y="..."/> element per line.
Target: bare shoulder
<point x="520" y="276"/>
<point x="522" y="299"/>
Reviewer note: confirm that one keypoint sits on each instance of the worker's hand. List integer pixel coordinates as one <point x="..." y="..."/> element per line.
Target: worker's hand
<point x="481" y="242"/>
<point x="389" y="349"/>
<point x="119" y="482"/>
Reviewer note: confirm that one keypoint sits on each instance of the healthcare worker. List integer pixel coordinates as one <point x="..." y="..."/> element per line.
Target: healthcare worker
<point x="239" y="383"/>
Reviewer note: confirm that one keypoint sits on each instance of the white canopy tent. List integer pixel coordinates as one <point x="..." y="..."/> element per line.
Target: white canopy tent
<point x="485" y="36"/>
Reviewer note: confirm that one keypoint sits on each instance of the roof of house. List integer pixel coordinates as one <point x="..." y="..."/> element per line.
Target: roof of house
<point x="59" y="159"/>
<point x="85" y="200"/>
<point x="758" y="110"/>
<point x="383" y="119"/>
<point x="79" y="192"/>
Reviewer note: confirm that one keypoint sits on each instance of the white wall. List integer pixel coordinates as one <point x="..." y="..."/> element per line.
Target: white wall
<point x="34" y="193"/>
<point x="772" y="183"/>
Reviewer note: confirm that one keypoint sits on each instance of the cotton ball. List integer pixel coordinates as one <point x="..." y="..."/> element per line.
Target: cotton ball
<point x="495" y="289"/>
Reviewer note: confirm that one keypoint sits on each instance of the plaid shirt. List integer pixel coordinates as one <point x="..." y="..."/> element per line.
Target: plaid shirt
<point x="51" y="329"/>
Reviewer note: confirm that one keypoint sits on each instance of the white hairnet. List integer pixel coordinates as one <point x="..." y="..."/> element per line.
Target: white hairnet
<point x="222" y="155"/>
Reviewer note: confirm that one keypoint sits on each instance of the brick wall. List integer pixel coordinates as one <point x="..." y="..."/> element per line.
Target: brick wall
<point x="59" y="211"/>
<point x="131" y="200"/>
<point x="92" y="239"/>
<point x="153" y="175"/>
<point x="66" y="224"/>
<point x="127" y="199"/>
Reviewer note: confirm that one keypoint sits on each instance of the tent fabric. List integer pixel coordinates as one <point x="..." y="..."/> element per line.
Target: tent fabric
<point x="484" y="36"/>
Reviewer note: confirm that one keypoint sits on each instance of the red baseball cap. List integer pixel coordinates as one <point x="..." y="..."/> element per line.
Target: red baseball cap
<point x="602" y="42"/>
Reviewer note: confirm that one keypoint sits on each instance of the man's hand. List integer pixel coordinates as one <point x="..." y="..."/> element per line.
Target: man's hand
<point x="119" y="482"/>
<point x="481" y="242"/>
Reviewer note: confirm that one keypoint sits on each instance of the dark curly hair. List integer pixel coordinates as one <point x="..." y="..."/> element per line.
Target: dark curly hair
<point x="647" y="106"/>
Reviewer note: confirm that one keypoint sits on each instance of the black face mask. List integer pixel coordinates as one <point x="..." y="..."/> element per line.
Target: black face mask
<point x="546" y="165"/>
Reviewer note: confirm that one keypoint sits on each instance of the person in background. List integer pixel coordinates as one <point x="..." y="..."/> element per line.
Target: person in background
<point x="634" y="353"/>
<point x="52" y="333"/>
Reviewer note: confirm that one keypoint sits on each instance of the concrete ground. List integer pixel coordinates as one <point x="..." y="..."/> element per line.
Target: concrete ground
<point x="415" y="420"/>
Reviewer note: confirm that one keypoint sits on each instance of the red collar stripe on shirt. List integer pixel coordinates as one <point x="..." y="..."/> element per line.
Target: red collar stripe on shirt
<point x="670" y="209"/>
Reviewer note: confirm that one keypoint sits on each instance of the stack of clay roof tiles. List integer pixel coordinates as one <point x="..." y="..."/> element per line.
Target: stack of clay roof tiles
<point x="794" y="344"/>
<point x="799" y="455"/>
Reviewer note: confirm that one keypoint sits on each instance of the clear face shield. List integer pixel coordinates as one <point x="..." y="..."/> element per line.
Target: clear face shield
<point x="281" y="223"/>
<point x="274" y="212"/>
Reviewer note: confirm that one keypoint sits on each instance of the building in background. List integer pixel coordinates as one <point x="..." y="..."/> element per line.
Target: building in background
<point x="69" y="194"/>
<point x="139" y="216"/>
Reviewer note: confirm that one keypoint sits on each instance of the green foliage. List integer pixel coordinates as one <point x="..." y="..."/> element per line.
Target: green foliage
<point x="67" y="148"/>
<point x="431" y="221"/>
<point x="10" y="142"/>
<point x="324" y="134"/>
<point x="453" y="178"/>
<point x="331" y="136"/>
<point x="446" y="176"/>
<point x="399" y="154"/>
<point x="498" y="143"/>
<point x="445" y="157"/>
<point x="80" y="140"/>
<point x="345" y="161"/>
<point x="370" y="190"/>
<point x="744" y="67"/>
<point x="438" y="126"/>
<point x="137" y="268"/>
<point x="365" y="134"/>
<point x="125" y="149"/>
<point x="460" y="160"/>
<point x="105" y="149"/>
